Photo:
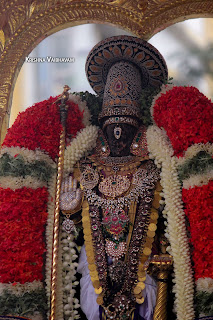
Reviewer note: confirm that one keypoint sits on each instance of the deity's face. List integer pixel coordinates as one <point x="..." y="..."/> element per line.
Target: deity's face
<point x="120" y="147"/>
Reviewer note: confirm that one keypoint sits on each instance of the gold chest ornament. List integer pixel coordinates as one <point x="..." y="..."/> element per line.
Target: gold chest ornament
<point x="114" y="186"/>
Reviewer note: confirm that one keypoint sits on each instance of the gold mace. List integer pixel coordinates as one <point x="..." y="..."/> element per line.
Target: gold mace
<point x="162" y="264"/>
<point x="63" y="115"/>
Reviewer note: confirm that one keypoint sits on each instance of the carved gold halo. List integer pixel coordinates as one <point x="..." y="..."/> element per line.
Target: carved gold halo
<point x="26" y="23"/>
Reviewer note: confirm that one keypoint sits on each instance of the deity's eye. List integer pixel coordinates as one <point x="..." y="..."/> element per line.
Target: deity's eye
<point x="117" y="132"/>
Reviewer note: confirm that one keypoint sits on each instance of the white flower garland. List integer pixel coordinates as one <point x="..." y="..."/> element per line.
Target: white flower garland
<point x="161" y="150"/>
<point x="195" y="149"/>
<point x="84" y="142"/>
<point x="82" y="105"/>
<point x="201" y="178"/>
<point x="20" y="288"/>
<point x="29" y="155"/>
<point x="198" y="180"/>
<point x="205" y="284"/>
<point x="59" y="313"/>
<point x="69" y="266"/>
<point x="19" y="182"/>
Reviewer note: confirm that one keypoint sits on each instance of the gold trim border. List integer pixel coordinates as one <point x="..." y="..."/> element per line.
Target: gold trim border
<point x="27" y="23"/>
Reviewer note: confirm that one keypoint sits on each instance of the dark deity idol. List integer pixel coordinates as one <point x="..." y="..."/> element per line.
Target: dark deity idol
<point x="114" y="229"/>
<point x="119" y="183"/>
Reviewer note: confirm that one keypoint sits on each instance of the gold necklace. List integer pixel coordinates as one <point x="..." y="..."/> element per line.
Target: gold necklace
<point x="112" y="165"/>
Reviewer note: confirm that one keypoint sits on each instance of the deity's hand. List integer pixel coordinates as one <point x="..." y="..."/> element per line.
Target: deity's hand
<point x="71" y="196"/>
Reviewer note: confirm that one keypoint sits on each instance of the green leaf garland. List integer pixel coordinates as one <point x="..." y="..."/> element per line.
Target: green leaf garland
<point x="202" y="162"/>
<point x="25" y="304"/>
<point x="18" y="167"/>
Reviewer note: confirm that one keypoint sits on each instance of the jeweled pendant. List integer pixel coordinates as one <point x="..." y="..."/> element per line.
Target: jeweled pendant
<point x="68" y="225"/>
<point x="117" y="132"/>
<point x="115" y="251"/>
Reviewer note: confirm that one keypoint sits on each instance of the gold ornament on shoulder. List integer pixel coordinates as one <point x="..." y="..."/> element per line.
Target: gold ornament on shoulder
<point x="89" y="178"/>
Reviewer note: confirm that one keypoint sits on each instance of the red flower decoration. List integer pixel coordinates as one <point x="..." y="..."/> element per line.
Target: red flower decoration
<point x="23" y="215"/>
<point x="39" y="127"/>
<point x="186" y="115"/>
<point x="199" y="210"/>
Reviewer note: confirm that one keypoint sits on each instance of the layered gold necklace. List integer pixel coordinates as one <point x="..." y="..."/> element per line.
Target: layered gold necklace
<point x="119" y="229"/>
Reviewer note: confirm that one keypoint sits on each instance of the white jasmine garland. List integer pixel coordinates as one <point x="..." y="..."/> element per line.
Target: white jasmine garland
<point x="198" y="180"/>
<point x="80" y="146"/>
<point x="164" y="88"/>
<point x="20" y="288"/>
<point x="205" y="284"/>
<point x="29" y="155"/>
<point x="20" y="182"/>
<point x="195" y="149"/>
<point x="82" y="105"/>
<point x="69" y="267"/>
<point x="84" y="142"/>
<point x="161" y="150"/>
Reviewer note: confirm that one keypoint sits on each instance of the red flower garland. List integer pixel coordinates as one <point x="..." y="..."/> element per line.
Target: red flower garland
<point x="23" y="215"/>
<point x="39" y="127"/>
<point x="186" y="115"/>
<point x="23" y="212"/>
<point x="199" y="208"/>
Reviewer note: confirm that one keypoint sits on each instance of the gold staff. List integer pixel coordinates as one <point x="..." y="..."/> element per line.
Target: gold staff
<point x="162" y="265"/>
<point x="63" y="114"/>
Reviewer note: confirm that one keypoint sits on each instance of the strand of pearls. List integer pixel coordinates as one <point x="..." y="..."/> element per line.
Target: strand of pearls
<point x="84" y="142"/>
<point x="160" y="149"/>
